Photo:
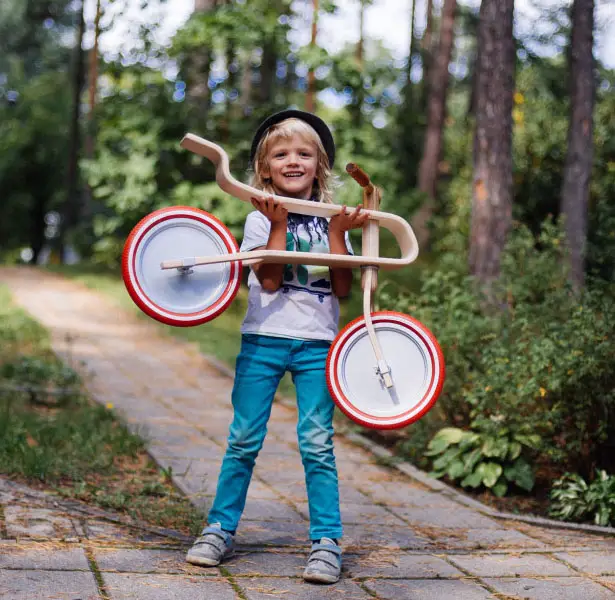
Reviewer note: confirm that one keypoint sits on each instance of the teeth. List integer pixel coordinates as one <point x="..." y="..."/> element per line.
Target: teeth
<point x="293" y="175"/>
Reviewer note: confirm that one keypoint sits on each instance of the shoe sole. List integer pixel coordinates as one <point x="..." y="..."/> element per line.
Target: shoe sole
<point x="320" y="578"/>
<point x="202" y="561"/>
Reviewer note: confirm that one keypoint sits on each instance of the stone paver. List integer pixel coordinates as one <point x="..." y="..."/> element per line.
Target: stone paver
<point x="403" y="539"/>
<point x="506" y="565"/>
<point x="553" y="588"/>
<point x="400" y="565"/>
<point x="264" y="588"/>
<point x="427" y="589"/>
<point x="131" y="586"/>
<point x="33" y="556"/>
<point x="258" y="563"/>
<point x="596" y="563"/>
<point x="47" y="585"/>
<point x="142" y="560"/>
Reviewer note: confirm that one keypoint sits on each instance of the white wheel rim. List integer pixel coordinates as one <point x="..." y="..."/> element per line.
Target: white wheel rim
<point x="415" y="368"/>
<point x="173" y="296"/>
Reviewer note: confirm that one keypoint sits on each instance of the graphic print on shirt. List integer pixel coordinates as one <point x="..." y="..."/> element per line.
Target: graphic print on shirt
<point x="313" y="279"/>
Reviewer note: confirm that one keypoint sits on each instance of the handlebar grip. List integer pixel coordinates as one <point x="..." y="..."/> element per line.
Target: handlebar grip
<point x="358" y="174"/>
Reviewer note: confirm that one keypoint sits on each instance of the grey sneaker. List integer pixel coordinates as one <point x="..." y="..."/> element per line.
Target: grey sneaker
<point x="212" y="547"/>
<point x="324" y="563"/>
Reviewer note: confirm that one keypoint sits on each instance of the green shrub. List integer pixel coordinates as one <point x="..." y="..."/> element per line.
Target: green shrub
<point x="538" y="360"/>
<point x="573" y="499"/>
<point x="36" y="370"/>
<point x="493" y="460"/>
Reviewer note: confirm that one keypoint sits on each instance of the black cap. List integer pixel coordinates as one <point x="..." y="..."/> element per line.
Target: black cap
<point x="321" y="128"/>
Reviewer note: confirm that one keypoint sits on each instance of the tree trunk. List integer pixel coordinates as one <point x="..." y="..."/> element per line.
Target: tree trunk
<point x="72" y="207"/>
<point x="361" y="43"/>
<point x="245" y="93"/>
<point x="205" y="5"/>
<point x="38" y="211"/>
<point x="268" y="72"/>
<point x="356" y="107"/>
<point x="426" y="49"/>
<point x="436" y="113"/>
<point x="411" y="48"/>
<point x="310" y="104"/>
<point x="198" y="67"/>
<point x="92" y="85"/>
<point x="493" y="183"/>
<point x="577" y="174"/>
<point x="230" y="108"/>
<point x="406" y="149"/>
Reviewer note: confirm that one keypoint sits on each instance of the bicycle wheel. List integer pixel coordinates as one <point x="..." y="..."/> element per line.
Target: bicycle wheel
<point x="415" y="360"/>
<point x="180" y="297"/>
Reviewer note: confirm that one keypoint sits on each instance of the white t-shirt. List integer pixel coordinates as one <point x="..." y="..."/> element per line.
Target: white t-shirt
<point x="304" y="307"/>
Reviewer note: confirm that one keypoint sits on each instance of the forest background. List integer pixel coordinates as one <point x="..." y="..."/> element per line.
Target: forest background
<point x="496" y="143"/>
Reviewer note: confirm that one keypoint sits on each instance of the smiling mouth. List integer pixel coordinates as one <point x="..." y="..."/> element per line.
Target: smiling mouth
<point x="293" y="175"/>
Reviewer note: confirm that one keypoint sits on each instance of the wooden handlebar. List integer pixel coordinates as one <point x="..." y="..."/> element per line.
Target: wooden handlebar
<point x="358" y="174"/>
<point x="398" y="226"/>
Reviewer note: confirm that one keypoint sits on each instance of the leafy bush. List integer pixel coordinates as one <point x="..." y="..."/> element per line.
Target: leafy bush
<point x="539" y="360"/>
<point x="447" y="304"/>
<point x="492" y="460"/>
<point x="573" y="499"/>
<point x="35" y="370"/>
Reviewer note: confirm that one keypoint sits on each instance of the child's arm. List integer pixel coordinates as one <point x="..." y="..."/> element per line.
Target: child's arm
<point x="341" y="277"/>
<point x="270" y="274"/>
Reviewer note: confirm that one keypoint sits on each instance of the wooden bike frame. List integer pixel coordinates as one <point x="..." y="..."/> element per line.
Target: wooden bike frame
<point x="369" y="260"/>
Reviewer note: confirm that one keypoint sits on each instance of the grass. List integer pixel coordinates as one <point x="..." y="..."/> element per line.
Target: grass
<point x="68" y="443"/>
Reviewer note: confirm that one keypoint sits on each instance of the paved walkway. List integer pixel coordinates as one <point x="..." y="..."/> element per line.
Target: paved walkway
<point x="403" y="539"/>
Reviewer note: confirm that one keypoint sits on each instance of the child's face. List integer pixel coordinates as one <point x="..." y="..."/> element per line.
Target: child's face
<point x="292" y="166"/>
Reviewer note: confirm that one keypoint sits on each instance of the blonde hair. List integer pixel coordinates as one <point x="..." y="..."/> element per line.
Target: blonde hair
<point x="285" y="130"/>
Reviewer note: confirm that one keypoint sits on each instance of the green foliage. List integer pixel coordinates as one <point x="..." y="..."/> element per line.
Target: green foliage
<point x="573" y="499"/>
<point x="540" y="362"/>
<point x="75" y="440"/>
<point x="76" y="445"/>
<point x="18" y="330"/>
<point x="37" y="371"/>
<point x="495" y="460"/>
<point x="34" y="116"/>
<point x="78" y="440"/>
<point x="447" y="304"/>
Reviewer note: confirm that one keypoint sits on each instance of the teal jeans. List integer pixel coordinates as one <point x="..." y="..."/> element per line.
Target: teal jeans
<point x="262" y="362"/>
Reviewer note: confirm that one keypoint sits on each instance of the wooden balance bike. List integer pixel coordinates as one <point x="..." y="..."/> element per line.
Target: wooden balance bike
<point x="384" y="370"/>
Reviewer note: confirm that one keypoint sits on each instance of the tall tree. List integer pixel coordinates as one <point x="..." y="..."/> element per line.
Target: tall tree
<point x="93" y="82"/>
<point x="493" y="182"/>
<point x="436" y="112"/>
<point x="426" y="50"/>
<point x="198" y="64"/>
<point x="34" y="118"/>
<point x="411" y="47"/>
<point x="407" y="139"/>
<point x="579" y="155"/>
<point x="356" y="107"/>
<point x="311" y="84"/>
<point x="72" y="207"/>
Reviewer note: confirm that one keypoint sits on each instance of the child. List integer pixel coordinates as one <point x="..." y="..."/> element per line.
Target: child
<point x="291" y="320"/>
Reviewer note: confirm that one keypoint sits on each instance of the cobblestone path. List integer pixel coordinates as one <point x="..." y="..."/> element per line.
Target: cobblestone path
<point x="406" y="537"/>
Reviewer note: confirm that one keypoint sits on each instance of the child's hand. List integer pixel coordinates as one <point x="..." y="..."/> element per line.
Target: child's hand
<point x="271" y="208"/>
<point x="347" y="220"/>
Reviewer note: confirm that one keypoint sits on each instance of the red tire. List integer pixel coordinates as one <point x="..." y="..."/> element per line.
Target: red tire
<point x="171" y="296"/>
<point x="417" y="368"/>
